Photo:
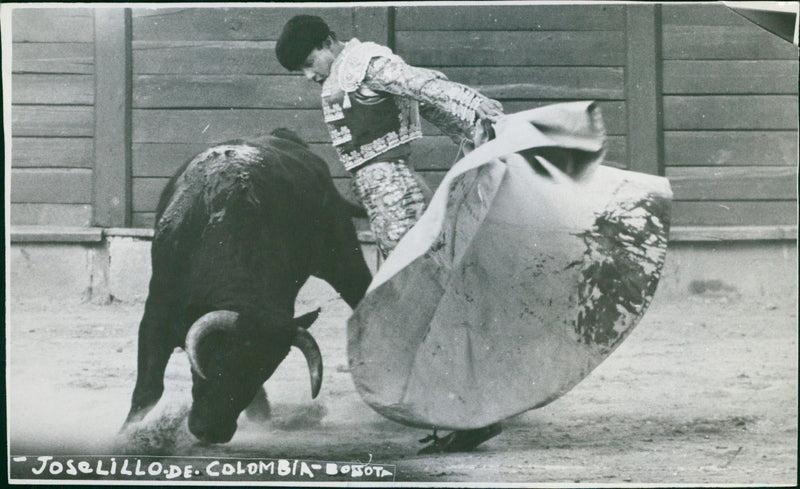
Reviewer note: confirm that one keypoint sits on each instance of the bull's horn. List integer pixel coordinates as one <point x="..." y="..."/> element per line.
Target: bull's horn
<point x="306" y="343"/>
<point x="306" y="320"/>
<point x="212" y="321"/>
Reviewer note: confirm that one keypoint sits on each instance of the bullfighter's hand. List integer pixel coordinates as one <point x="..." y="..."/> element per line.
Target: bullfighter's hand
<point x="489" y="109"/>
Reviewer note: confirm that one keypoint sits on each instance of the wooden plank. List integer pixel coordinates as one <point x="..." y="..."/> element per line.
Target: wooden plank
<point x="613" y="115"/>
<point x="543" y="82"/>
<point x="724" y="42"/>
<point x="62" y="57"/>
<point x="365" y="236"/>
<point x="433" y="153"/>
<point x="363" y="230"/>
<point x="214" y="126"/>
<point x="514" y="48"/>
<point x="48" y="89"/>
<point x="433" y="178"/>
<point x="643" y="90"/>
<point x="733" y="183"/>
<point x="112" y="118"/>
<point x="732" y="233"/>
<point x="616" y="154"/>
<point x="206" y="57"/>
<point x="204" y="127"/>
<point x="230" y="24"/>
<point x="344" y="185"/>
<point x="730" y="112"/>
<point x="730" y="77"/>
<point x="224" y="91"/>
<point x="146" y="220"/>
<point x="51" y="214"/>
<point x="128" y="233"/>
<point x="52" y="24"/>
<point x="52" y="153"/>
<point x="143" y="220"/>
<point x="327" y="153"/>
<point x="702" y="14"/>
<point x="734" y="213"/>
<point x="146" y="192"/>
<point x="614" y="112"/>
<point x="615" y="163"/>
<point x="439" y="153"/>
<point x="428" y="153"/>
<point x="372" y="24"/>
<point x="163" y="160"/>
<point x="730" y="148"/>
<point x="511" y="17"/>
<point x="55" y="234"/>
<point x="51" y="186"/>
<point x="44" y="120"/>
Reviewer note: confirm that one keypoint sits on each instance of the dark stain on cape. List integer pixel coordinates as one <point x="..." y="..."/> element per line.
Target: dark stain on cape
<point x="620" y="269"/>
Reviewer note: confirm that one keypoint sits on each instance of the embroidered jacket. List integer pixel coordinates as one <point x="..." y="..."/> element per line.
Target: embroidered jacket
<point x="372" y="100"/>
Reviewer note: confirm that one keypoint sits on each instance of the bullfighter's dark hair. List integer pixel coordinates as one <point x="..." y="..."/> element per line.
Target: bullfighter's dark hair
<point x="299" y="37"/>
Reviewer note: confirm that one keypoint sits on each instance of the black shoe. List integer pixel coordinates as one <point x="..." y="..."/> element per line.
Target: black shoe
<point x="460" y="441"/>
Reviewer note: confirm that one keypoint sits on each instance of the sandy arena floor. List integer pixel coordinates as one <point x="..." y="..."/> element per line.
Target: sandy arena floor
<point x="703" y="391"/>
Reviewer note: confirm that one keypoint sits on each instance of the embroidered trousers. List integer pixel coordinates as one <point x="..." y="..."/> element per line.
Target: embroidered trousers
<point x="394" y="197"/>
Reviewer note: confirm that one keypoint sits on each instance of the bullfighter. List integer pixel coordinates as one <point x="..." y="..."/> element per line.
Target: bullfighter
<point x="372" y="102"/>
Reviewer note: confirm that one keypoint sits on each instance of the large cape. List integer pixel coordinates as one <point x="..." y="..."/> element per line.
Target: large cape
<point x="529" y="267"/>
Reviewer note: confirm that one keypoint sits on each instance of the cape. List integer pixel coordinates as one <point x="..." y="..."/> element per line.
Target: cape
<point x="531" y="264"/>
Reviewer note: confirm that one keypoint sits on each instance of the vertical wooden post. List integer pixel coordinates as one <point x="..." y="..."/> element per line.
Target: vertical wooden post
<point x="643" y="89"/>
<point x="112" y="118"/>
<point x="372" y="24"/>
<point x="391" y="15"/>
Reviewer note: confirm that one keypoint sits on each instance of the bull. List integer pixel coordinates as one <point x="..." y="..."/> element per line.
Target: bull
<point x="239" y="229"/>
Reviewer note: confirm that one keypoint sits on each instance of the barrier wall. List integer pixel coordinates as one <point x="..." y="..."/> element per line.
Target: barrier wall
<point x="114" y="264"/>
<point x="108" y="102"/>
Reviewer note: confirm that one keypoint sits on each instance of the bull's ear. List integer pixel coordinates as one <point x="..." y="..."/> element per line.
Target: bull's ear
<point x="306" y="320"/>
<point x="285" y="133"/>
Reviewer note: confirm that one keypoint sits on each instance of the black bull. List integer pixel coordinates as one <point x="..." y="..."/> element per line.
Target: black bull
<point x="239" y="229"/>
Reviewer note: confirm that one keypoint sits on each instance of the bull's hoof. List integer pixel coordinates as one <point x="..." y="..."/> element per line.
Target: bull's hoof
<point x="460" y="441"/>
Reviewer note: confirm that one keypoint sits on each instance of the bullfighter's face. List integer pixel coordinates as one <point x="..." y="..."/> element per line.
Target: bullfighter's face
<point x="317" y="65"/>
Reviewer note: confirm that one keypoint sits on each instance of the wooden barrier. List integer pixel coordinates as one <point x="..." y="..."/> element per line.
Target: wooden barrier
<point x="108" y="102"/>
<point x="52" y="116"/>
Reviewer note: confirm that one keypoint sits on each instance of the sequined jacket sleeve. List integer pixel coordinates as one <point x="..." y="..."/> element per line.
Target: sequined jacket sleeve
<point x="449" y="105"/>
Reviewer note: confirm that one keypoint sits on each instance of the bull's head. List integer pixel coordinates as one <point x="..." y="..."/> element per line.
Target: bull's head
<point x="232" y="354"/>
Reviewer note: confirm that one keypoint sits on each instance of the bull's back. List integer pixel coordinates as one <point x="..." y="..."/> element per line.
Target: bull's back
<point x="277" y="176"/>
<point x="240" y="219"/>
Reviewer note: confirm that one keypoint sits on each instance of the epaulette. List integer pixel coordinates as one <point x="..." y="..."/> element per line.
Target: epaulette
<point x="355" y="61"/>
